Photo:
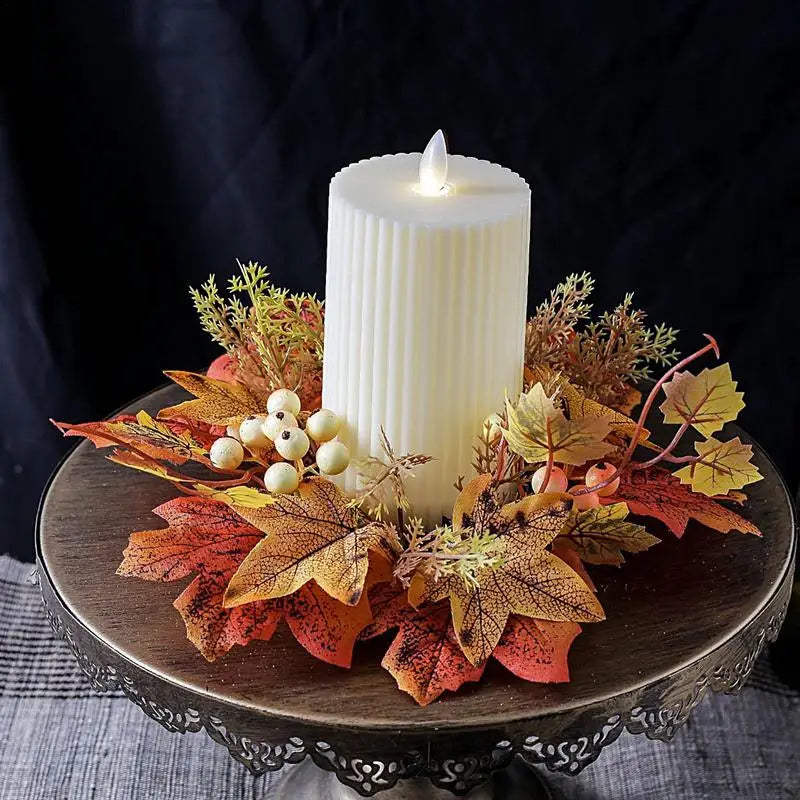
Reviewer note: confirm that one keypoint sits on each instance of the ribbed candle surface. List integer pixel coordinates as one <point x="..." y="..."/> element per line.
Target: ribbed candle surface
<point x="425" y="312"/>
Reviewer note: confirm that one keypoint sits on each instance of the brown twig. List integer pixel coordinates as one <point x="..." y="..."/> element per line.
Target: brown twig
<point x="501" y="459"/>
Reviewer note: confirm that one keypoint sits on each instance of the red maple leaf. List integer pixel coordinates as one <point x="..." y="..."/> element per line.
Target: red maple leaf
<point x="223" y="368"/>
<point x="214" y="629"/>
<point x="426" y="660"/>
<point x="207" y="537"/>
<point x="536" y="649"/>
<point x="654" y="492"/>
<point x="175" y="440"/>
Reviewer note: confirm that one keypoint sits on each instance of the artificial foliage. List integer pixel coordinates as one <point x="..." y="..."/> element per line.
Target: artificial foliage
<point x="565" y="477"/>
<point x="602" y="356"/>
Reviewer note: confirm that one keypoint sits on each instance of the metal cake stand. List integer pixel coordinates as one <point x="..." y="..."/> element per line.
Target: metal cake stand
<point x="684" y="618"/>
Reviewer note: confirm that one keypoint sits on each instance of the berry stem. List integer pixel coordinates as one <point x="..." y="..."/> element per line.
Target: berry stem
<point x="667" y="451"/>
<point x="645" y="412"/>
<point x="550" y="455"/>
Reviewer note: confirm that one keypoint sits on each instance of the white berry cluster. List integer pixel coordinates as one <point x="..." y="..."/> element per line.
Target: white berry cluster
<point x="281" y="427"/>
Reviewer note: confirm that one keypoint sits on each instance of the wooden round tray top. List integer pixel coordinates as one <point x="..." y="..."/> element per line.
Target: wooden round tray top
<point x="687" y="616"/>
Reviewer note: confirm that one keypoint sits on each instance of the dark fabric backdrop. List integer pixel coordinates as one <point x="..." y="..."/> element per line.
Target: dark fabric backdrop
<point x="145" y="144"/>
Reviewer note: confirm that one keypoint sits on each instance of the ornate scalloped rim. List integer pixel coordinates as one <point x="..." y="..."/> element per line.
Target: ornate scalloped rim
<point x="459" y="776"/>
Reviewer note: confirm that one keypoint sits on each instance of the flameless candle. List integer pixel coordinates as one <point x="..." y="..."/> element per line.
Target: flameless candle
<point x="426" y="294"/>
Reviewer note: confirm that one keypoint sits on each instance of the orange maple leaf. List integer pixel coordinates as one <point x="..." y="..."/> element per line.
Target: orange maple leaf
<point x="203" y="535"/>
<point x="655" y="492"/>
<point x="315" y="534"/>
<point x="426" y="660"/>
<point x="325" y="627"/>
<point x="218" y="402"/>
<point x="537" y="650"/>
<point x="530" y="580"/>
<point x="207" y="537"/>
<point x="214" y="629"/>
<point x="172" y="440"/>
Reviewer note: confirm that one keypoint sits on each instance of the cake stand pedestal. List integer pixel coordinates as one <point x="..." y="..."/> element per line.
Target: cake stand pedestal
<point x="683" y="618"/>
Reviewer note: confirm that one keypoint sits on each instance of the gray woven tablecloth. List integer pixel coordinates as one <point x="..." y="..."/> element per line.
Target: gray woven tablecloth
<point x="61" y="741"/>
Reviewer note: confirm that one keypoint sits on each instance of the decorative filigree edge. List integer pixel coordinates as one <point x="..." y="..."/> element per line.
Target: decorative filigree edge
<point x="369" y="776"/>
<point x="662" y="721"/>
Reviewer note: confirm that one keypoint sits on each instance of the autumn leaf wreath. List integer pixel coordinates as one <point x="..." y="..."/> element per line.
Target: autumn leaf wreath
<point x="268" y="537"/>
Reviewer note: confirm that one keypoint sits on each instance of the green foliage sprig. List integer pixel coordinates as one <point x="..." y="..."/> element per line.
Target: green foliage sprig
<point x="444" y="551"/>
<point x="276" y="339"/>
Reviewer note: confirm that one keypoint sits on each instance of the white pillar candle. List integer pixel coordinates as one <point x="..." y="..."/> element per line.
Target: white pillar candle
<point x="425" y="309"/>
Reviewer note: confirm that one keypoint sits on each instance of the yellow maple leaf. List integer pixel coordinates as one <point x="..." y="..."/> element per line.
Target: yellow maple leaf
<point x="600" y="535"/>
<point x="706" y="401"/>
<point x="218" y="402"/>
<point x="530" y="580"/>
<point x="580" y="406"/>
<point x="722" y="466"/>
<point x="238" y="496"/>
<point x="314" y="534"/>
<point x="159" y="433"/>
<point x="537" y="428"/>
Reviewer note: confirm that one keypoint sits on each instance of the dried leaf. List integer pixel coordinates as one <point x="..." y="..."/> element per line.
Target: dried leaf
<point x="475" y="504"/>
<point x="218" y="402"/>
<point x="536" y="649"/>
<point x="314" y="534"/>
<point x="722" y="466"/>
<point x="425" y="659"/>
<point x="388" y="602"/>
<point x="170" y="441"/>
<point x="208" y="538"/>
<point x="601" y="534"/>
<point x="656" y="493"/>
<point x="539" y="516"/>
<point x="537" y="428"/>
<point x="629" y="401"/>
<point x="214" y="629"/>
<point x="705" y="401"/>
<point x="530" y="581"/>
<point x="324" y="627"/>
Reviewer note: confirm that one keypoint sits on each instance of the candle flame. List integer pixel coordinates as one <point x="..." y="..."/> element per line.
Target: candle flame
<point x="433" y="166"/>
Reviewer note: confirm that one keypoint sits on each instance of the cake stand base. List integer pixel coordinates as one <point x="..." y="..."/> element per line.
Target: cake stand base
<point x="517" y="782"/>
<point x="717" y="600"/>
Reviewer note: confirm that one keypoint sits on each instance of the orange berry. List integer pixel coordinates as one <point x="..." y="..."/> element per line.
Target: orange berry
<point x="583" y="502"/>
<point x="600" y="473"/>
<point x="556" y="483"/>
